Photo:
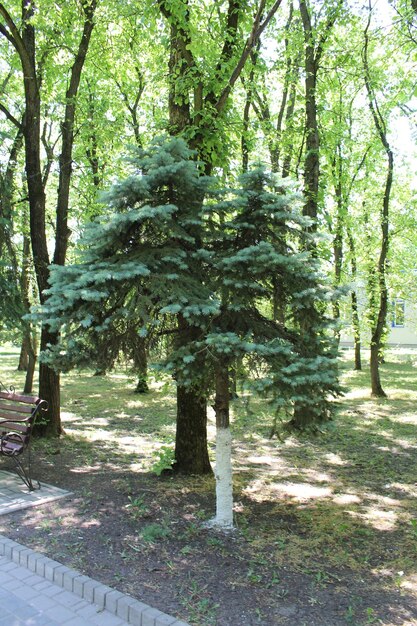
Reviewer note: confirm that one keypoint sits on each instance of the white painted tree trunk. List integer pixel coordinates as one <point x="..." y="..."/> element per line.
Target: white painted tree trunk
<point x="224" y="482"/>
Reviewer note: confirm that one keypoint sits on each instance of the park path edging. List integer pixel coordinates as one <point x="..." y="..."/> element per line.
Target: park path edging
<point x="123" y="606"/>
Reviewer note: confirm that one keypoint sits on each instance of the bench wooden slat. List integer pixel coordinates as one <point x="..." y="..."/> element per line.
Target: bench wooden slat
<point x="13" y="417"/>
<point x="16" y="407"/>
<point x="21" y="427"/>
<point x="18" y="397"/>
<point x="5" y="416"/>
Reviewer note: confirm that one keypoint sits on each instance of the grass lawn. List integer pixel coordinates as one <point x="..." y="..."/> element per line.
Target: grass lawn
<point x="326" y="528"/>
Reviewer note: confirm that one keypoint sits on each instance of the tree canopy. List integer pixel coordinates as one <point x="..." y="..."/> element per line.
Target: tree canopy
<point x="296" y="86"/>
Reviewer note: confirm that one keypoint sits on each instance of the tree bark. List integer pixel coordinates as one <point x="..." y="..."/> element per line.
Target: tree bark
<point x="379" y="328"/>
<point x="311" y="163"/>
<point x="341" y="213"/>
<point x="191" y="452"/>
<point x="223" y="473"/>
<point x="354" y="306"/>
<point x="30" y="371"/>
<point x="29" y="338"/>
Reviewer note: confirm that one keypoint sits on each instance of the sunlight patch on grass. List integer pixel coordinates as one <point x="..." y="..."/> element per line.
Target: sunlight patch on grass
<point x="343" y="499"/>
<point x="262" y="460"/>
<point x="357" y="394"/>
<point x="407" y="418"/>
<point x="383" y="514"/>
<point x="335" y="459"/>
<point x="70" y="417"/>
<point x="317" y="476"/>
<point x="409" y="489"/>
<point x="134" y="444"/>
<point x="383" y="500"/>
<point x="401" y="394"/>
<point x="404" y="444"/>
<point x="409" y="583"/>
<point x="300" y="492"/>
<point x="136" y="404"/>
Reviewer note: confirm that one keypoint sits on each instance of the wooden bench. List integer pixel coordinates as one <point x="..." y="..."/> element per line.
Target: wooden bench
<point x="17" y="418"/>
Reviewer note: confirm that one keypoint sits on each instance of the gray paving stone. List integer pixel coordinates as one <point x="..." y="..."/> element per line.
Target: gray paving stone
<point x="66" y="598"/>
<point x="52" y="590"/>
<point x="59" y="575"/>
<point x="99" y="595"/>
<point x="150" y="616"/>
<point x="77" y="621"/>
<point x="23" y="556"/>
<point x="88" y="611"/>
<point x="42" y="585"/>
<point x="4" y="578"/>
<point x="10" y="620"/>
<point x="33" y="580"/>
<point x="59" y="613"/>
<point x="111" y="600"/>
<point x="135" y="612"/>
<point x="124" y="606"/>
<point x="40" y="565"/>
<point x="21" y="573"/>
<point x="9" y="567"/>
<point x="25" y="593"/>
<point x="22" y="610"/>
<point x="165" y="620"/>
<point x="50" y="568"/>
<point x="106" y="619"/>
<point x="43" y="602"/>
<point x="89" y="589"/>
<point x="10" y="584"/>
<point x="78" y="584"/>
<point x="68" y="579"/>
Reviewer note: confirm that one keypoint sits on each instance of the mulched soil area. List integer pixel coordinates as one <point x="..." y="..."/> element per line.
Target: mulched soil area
<point x="144" y="536"/>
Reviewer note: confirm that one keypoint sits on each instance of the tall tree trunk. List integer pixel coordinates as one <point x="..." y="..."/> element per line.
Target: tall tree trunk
<point x="223" y="472"/>
<point x="48" y="380"/>
<point x="140" y="362"/>
<point x="378" y="330"/>
<point x="24" y="354"/>
<point x="191" y="451"/>
<point x="338" y="230"/>
<point x="244" y="142"/>
<point x="30" y="371"/>
<point x="289" y="125"/>
<point x="311" y="162"/>
<point x="354" y="305"/>
<point x="29" y="336"/>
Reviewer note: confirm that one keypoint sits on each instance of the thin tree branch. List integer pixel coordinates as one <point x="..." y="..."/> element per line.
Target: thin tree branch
<point x="11" y="117"/>
<point x="258" y="28"/>
<point x="13" y="35"/>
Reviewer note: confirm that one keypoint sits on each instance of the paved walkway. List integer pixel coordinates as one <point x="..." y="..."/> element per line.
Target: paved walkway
<point x="38" y="591"/>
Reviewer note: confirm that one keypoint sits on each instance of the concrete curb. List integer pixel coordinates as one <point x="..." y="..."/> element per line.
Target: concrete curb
<point x="119" y="604"/>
